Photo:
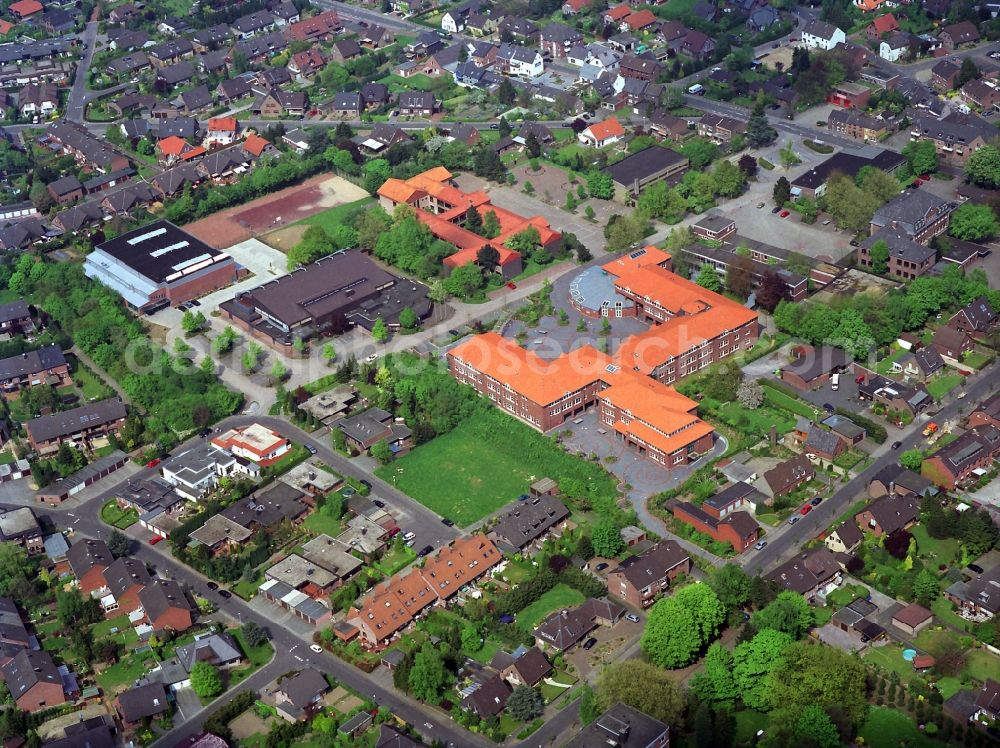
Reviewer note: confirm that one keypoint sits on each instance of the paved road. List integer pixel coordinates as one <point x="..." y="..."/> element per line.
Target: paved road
<point x="77" y="101"/>
<point x="786" y="545"/>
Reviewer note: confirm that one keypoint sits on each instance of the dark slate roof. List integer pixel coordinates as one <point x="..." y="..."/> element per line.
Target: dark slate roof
<point x="348" y="101"/>
<point x="642" y="165"/>
<point x="143" y="701"/>
<point x="87" y="554"/>
<point x="75" y="420"/>
<point x="646" y="568"/>
<point x="801" y="574"/>
<point x="65" y="185"/>
<point x="786" y="473"/>
<point x="125" y="573"/>
<point x="822" y="440"/>
<point x="558" y="32"/>
<point x="14" y="310"/>
<point x="28" y="668"/>
<point x="849" y="533"/>
<point x="623" y="727"/>
<point x="177" y="73"/>
<point x="894" y="512"/>
<point x="490" y="698"/>
<point x="731" y="494"/>
<point x="822" y="29"/>
<point x="303" y="688"/>
<point x="142" y="250"/>
<point x="823" y="360"/>
<point x="528" y="520"/>
<point x="197" y="98"/>
<point x="848" y="164"/>
<point x="980" y="313"/>
<point x="162" y="595"/>
<point x="31" y="362"/>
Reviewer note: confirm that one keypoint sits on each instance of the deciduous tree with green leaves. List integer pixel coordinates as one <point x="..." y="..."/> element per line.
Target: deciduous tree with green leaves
<point x="879" y="254"/>
<point x="380" y="331"/>
<point x="428" y="676"/>
<point x="380" y="451"/>
<point x="679" y="626"/>
<point x="708" y="277"/>
<point x="983" y="167"/>
<point x="642" y="686"/>
<point x="753" y="662"/>
<point x="205" y="680"/>
<point x="607" y="539"/>
<point x="973" y="222"/>
<point x="788" y="612"/>
<point x="912" y="459"/>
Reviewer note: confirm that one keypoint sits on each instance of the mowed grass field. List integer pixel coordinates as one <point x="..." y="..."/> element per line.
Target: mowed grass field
<point x="486" y="462"/>
<point x="458" y="477"/>
<point x="559" y="597"/>
<point x="335" y="216"/>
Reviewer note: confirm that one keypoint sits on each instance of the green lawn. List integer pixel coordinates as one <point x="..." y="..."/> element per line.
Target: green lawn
<point x="980" y="665"/>
<point x="887" y="728"/>
<point x="395" y="559"/>
<point x="125" y="671"/>
<point x="416" y="82"/>
<point x="335" y="216"/>
<point x="6" y="458"/>
<point x="258" y="656"/>
<point x="115" y="516"/>
<point x="942" y="385"/>
<point x="551" y="693"/>
<point x="677" y="9"/>
<point x="769" y="519"/>
<point x="884" y="367"/>
<point x="560" y="596"/>
<point x="104" y="627"/>
<point x="748" y="722"/>
<point x="485" y="653"/>
<point x="90" y="385"/>
<point x="245" y="589"/>
<point x="890" y="657"/>
<point x="787" y="402"/>
<point x="471" y="472"/>
<point x="752" y="422"/>
<point x="945" y="610"/>
<point x="323" y="523"/>
<point x="977" y="360"/>
<point x="946" y="551"/>
<point x="851" y="512"/>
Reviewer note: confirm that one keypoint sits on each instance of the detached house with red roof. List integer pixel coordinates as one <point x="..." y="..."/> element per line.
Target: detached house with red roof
<point x="221" y="131"/>
<point x="604" y="133"/>
<point x="886" y="24"/>
<point x="572" y="7"/>
<point x="639" y="21"/>
<point x="173" y="149"/>
<point x="254" y="442"/>
<point x="24" y="9"/>
<point x="442" y="207"/>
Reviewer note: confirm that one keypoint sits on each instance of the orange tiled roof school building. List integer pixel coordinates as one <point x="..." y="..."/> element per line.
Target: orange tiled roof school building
<point x="632" y="389"/>
<point x="442" y="207"/>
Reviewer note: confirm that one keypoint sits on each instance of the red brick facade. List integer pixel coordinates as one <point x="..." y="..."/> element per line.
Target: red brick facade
<point x="41" y="696"/>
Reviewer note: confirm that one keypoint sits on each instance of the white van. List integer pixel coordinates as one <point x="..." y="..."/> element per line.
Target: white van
<point x="697" y="89"/>
<point x="835" y="382"/>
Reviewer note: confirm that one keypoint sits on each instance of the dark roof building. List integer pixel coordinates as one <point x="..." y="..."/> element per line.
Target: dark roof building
<point x="623" y="727"/>
<point x="489" y="699"/>
<point x="633" y="173"/>
<point x="91" y="419"/>
<point x="159" y="265"/>
<point x="142" y="702"/>
<point x="812" y="183"/>
<point x="327" y="295"/>
<point x="526" y="522"/>
<point x="809" y="573"/>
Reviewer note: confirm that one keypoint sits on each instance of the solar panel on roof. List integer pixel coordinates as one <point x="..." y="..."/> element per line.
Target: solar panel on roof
<point x="637" y="253"/>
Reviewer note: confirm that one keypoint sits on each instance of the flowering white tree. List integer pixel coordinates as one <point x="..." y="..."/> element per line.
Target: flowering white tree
<point x="750" y="395"/>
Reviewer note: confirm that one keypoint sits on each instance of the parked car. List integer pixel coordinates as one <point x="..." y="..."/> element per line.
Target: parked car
<point x="632" y="617"/>
<point x="155" y="539"/>
<point x="153" y="463"/>
<point x="523" y="497"/>
<point x="316" y="648"/>
<point x="379" y="503"/>
<point x="805" y="510"/>
<point x="371" y="357"/>
<point x="425" y="550"/>
<point x="760" y="205"/>
<point x="511" y="285"/>
<point x="859" y="379"/>
<point x="225" y="594"/>
<point x="366" y="483"/>
<point x="784" y="214"/>
<point x="212" y="586"/>
<point x="310" y="449"/>
<point x="759" y="545"/>
<point x="897" y="445"/>
<point x="601" y="566"/>
<point x="817" y="500"/>
<point x="447" y="522"/>
<point x="204" y="432"/>
<point x="976" y="568"/>
<point x="395" y="531"/>
<point x="409" y="535"/>
<point x="776" y="210"/>
<point x="590" y="643"/>
<point x="828" y="407"/>
<point x="793" y="519"/>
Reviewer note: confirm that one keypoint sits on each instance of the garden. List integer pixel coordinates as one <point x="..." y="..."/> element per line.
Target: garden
<point x="114" y="515"/>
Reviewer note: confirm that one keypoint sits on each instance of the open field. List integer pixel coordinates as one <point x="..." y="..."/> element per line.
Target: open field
<point x="559" y="597"/>
<point x="234" y="225"/>
<point x="887" y="728"/>
<point x="485" y="463"/>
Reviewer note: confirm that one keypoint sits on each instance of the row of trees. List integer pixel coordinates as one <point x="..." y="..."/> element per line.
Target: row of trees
<point x="858" y="323"/>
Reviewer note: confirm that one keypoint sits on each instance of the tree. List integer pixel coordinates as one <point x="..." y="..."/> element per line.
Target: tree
<point x="380" y="451"/>
<point x="759" y="131"/>
<point x="772" y="291"/>
<point x="731" y="585"/>
<point x="119" y="543"/>
<point x="205" y="680"/>
<point x="739" y="276"/>
<point x="491" y="225"/>
<point x="607" y="539"/>
<point x="505" y="95"/>
<point x="969" y="71"/>
<point x="708" y="277"/>
<point x="329" y="353"/>
<point x="729" y="180"/>
<point x="532" y="146"/>
<point x="788" y="613"/>
<point x="700" y="153"/>
<point x="525" y="703"/>
<point x="679" y="626"/>
<point x="642" y="686"/>
<point x="973" y="222"/>
<point x="922" y="156"/>
<point x="487" y="257"/>
<point x="983" y="167"/>
<point x="810" y="675"/>
<point x="877" y="184"/>
<point x="278" y="371"/>
<point x="377" y="171"/>
<point x="428" y="676"/>
<point x="525" y="241"/>
<point x="380" y="332"/>
<point x="853" y="334"/>
<point x="15" y="568"/>
<point x="788" y="156"/>
<point x="926" y="588"/>
<point x="600" y="185"/>
<point x="408" y="319"/>
<point x="750" y="395"/>
<point x="474" y="221"/>
<point x="782" y="192"/>
<point x="912" y="459"/>
<point x="814" y="728"/>
<point x="464" y="280"/>
<point x="753" y="661"/>
<point x="715" y="682"/>
<point x="192" y="322"/>
<point x="748" y="165"/>
<point x="254" y="634"/>
<point x="879" y="253"/>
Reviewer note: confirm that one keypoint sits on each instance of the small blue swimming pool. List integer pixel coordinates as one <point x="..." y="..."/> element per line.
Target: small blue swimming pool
<point x="909" y="654"/>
